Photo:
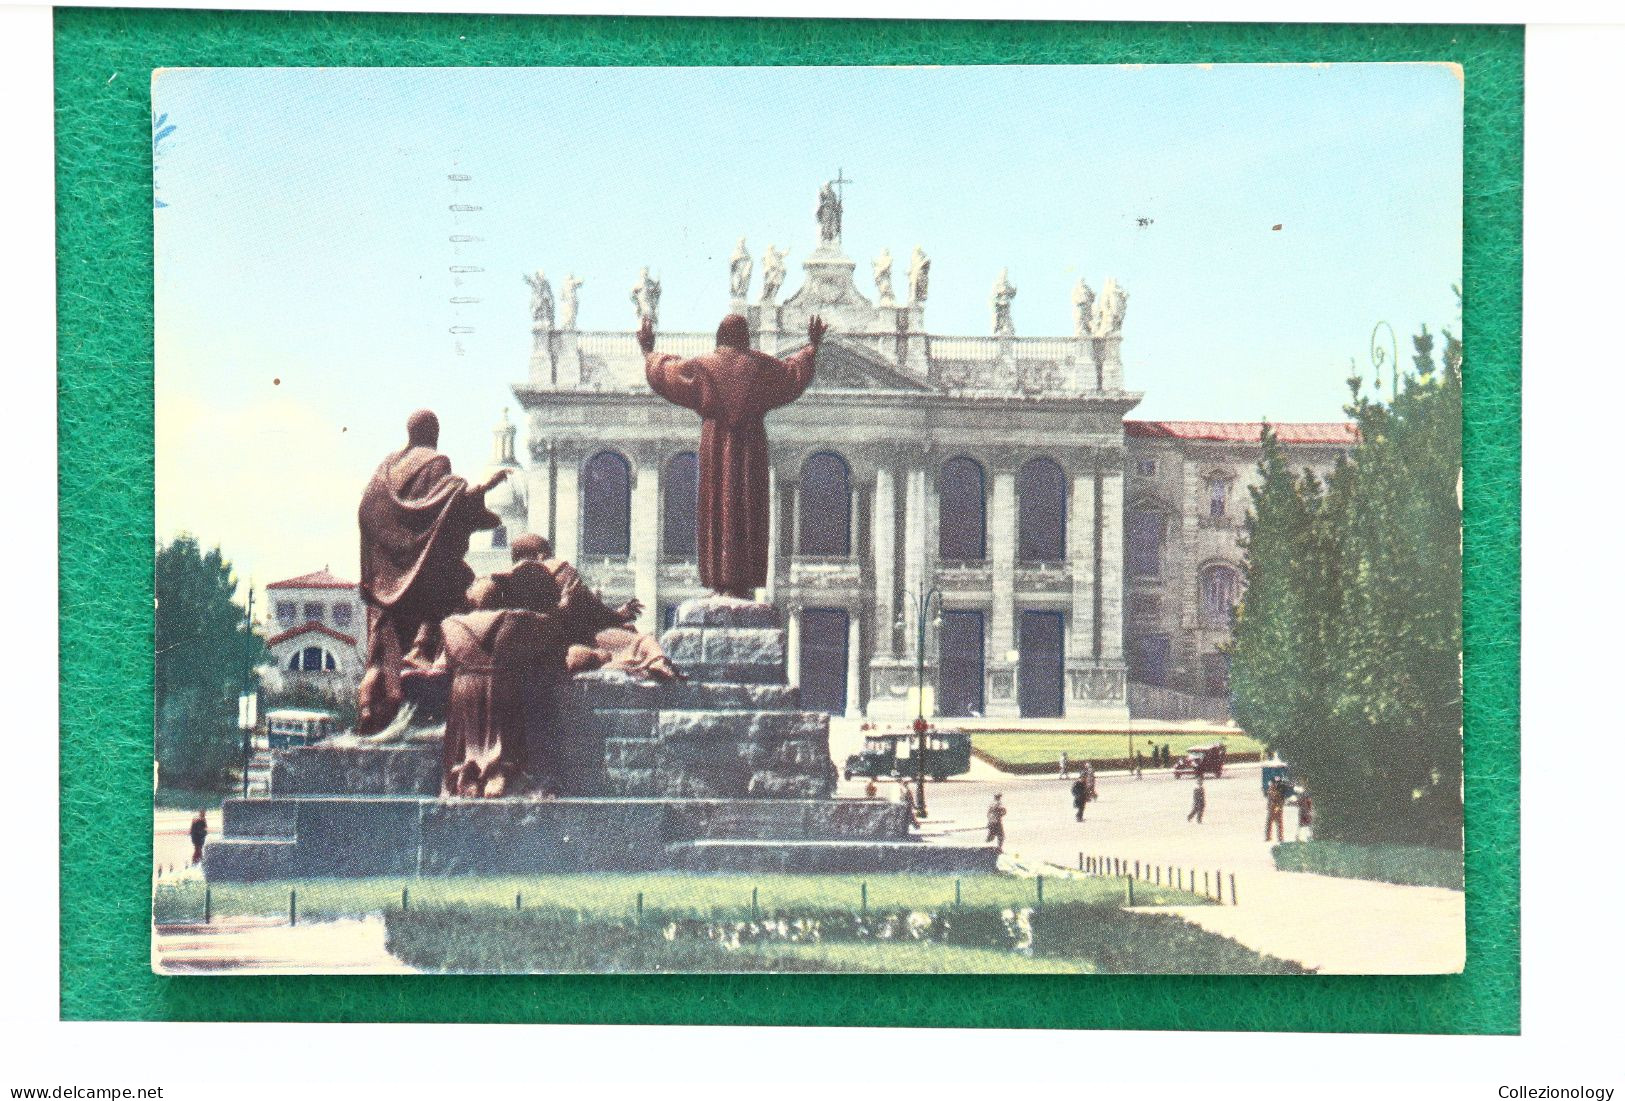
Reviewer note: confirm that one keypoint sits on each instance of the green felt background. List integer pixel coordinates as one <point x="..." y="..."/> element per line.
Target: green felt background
<point x="104" y="59"/>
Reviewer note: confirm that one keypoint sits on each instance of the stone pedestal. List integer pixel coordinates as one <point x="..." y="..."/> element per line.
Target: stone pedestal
<point x="723" y="771"/>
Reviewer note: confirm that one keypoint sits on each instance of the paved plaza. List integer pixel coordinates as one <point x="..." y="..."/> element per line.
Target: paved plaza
<point x="1338" y="926"/>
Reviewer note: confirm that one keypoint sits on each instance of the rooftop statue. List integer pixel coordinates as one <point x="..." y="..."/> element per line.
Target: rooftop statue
<point x="1004" y="293"/>
<point x="646" y="298"/>
<point x="1109" y="309"/>
<point x="829" y="214"/>
<point x="882" y="268"/>
<point x="919" y="277"/>
<point x="772" y="273"/>
<point x="732" y="390"/>
<point x="541" y="301"/>
<point x="569" y="302"/>
<point x="739" y="272"/>
<point x="1083" y="304"/>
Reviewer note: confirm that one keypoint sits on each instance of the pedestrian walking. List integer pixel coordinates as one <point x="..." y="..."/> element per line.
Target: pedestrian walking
<point x="1066" y="766"/>
<point x="1275" y="810"/>
<point x="1080" y="795"/>
<point x="1088" y="773"/>
<point x="1198" y="801"/>
<point x="1139" y="766"/>
<point x="905" y="795"/>
<point x="200" y="830"/>
<point x="1306" y="814"/>
<point x="871" y="789"/>
<point x="996" y="811"/>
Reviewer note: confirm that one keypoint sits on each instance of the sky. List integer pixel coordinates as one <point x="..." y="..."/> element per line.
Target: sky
<point x="307" y="229"/>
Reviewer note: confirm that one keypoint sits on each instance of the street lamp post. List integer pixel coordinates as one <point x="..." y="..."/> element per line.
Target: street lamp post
<point x="1379" y="354"/>
<point x="922" y="609"/>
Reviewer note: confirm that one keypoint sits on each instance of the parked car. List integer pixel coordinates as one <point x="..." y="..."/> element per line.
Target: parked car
<point x="1205" y="760"/>
<point x="947" y="753"/>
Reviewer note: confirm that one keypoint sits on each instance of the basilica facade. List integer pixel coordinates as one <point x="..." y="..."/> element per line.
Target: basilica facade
<point x="964" y="524"/>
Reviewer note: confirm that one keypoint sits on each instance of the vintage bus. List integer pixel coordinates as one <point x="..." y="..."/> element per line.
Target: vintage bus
<point x="290" y="727"/>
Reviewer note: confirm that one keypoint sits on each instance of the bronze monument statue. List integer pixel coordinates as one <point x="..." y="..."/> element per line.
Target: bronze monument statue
<point x="503" y="663"/>
<point x="416" y="517"/>
<point x="732" y="390"/>
<point x="597" y="636"/>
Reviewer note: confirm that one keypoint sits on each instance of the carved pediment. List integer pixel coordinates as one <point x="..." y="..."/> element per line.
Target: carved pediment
<point x="846" y="366"/>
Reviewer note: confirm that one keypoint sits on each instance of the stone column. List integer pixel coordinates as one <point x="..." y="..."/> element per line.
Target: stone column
<point x="567" y="507"/>
<point x="792" y="647"/>
<point x="914" y="581"/>
<point x="646" y="541"/>
<point x="883" y="537"/>
<point x="1080" y="553"/>
<point x="1111" y="564"/>
<point x="1002" y="699"/>
<point x="854" y="664"/>
<point x="772" y="533"/>
<point x="539" y="489"/>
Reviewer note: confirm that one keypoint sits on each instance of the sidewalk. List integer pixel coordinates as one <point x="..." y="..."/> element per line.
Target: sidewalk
<point x="265" y="946"/>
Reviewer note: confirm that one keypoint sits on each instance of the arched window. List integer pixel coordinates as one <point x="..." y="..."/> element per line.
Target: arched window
<point x="1145" y="527"/>
<point x="312" y="659"/>
<point x="1218" y="486"/>
<point x="826" y="507"/>
<point x="606" y="506"/>
<point x="1041" y="497"/>
<point x="682" y="488"/>
<point x="1221" y="588"/>
<point x="962" y="511"/>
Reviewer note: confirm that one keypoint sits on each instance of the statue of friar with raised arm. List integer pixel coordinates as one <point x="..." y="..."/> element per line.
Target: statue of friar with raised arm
<point x="732" y="390"/>
<point x="416" y="517"/>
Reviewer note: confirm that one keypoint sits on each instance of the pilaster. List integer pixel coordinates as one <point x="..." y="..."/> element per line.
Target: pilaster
<point x="854" y="665"/>
<point x="883" y="539"/>
<point x="567" y="508"/>
<point x="1001" y="698"/>
<point x="646" y="541"/>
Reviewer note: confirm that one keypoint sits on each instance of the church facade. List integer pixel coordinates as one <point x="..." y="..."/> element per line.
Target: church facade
<point x="968" y="524"/>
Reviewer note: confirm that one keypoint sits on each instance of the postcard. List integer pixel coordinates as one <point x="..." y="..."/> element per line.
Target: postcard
<point x="732" y="520"/>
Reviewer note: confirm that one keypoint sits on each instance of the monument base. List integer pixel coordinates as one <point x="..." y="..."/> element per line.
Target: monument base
<point x="362" y="836"/>
<point x="721" y="772"/>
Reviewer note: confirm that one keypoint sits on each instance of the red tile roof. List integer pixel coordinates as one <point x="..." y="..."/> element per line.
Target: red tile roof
<point x="321" y="579"/>
<point x="295" y="632"/>
<point x="1337" y="433"/>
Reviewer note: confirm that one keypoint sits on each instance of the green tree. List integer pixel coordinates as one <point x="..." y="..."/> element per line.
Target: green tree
<point x="1347" y="645"/>
<point x="204" y="658"/>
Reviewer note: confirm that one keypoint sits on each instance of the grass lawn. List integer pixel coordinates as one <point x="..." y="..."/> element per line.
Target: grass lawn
<point x="1067" y="938"/>
<point x="1025" y="751"/>
<point x="1411" y="865"/>
<point x="615" y="896"/>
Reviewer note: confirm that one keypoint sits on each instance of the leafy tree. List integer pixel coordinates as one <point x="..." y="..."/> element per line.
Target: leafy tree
<point x="204" y="657"/>
<point x="1347" y="646"/>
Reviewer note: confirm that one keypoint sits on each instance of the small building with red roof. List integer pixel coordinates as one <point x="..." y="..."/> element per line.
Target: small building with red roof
<point x="316" y="630"/>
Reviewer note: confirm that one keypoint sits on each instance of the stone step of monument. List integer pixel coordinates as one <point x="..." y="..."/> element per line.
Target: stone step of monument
<point x="352" y="837"/>
<point x="737" y="655"/>
<point x="725" y="611"/>
<point x="356" y="769"/>
<point x="861" y="857"/>
<point x="229" y="859"/>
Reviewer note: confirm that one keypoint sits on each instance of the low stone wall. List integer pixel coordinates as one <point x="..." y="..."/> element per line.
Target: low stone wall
<point x="358" y="836"/>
